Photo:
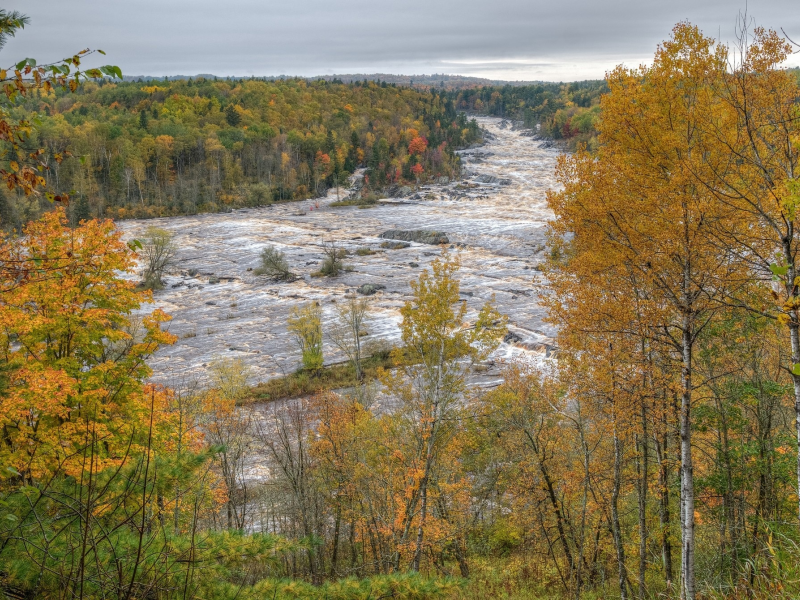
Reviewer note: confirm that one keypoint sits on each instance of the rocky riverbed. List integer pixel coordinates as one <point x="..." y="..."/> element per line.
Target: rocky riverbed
<point x="494" y="218"/>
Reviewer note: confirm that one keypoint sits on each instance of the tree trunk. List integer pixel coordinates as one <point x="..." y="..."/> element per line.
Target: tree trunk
<point x="795" y="338"/>
<point x="664" y="515"/>
<point x="335" y="551"/>
<point x="643" y="474"/>
<point x="615" y="528"/>
<point x="687" y="469"/>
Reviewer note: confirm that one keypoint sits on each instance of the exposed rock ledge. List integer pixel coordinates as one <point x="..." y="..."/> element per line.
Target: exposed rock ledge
<point x="434" y="238"/>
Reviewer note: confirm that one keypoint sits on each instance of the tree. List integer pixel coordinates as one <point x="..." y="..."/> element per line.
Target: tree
<point x="274" y="265"/>
<point x="437" y="350"/>
<point x="10" y="22"/>
<point x="333" y="263"/>
<point x="73" y="359"/>
<point x="158" y="250"/>
<point x="417" y="170"/>
<point x="228" y="428"/>
<point x="305" y="325"/>
<point x="351" y="318"/>
<point x="418" y="145"/>
<point x="758" y="126"/>
<point x="232" y="116"/>
<point x="635" y="212"/>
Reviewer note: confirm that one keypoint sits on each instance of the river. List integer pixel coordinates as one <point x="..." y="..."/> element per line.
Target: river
<point x="495" y="219"/>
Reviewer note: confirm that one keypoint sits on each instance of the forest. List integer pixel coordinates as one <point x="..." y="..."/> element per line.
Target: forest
<point x="132" y="149"/>
<point x="656" y="455"/>
<point x="557" y="111"/>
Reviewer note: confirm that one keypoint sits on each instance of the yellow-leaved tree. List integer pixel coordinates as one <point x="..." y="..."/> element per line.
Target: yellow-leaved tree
<point x="438" y="349"/>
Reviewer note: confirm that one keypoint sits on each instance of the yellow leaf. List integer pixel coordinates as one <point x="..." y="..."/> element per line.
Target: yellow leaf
<point x="14" y="166"/>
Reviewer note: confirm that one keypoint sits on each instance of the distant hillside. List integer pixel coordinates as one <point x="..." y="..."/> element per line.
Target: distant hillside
<point x="435" y="81"/>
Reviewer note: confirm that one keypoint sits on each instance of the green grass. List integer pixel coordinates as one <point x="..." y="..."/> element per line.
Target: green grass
<point x="302" y="382"/>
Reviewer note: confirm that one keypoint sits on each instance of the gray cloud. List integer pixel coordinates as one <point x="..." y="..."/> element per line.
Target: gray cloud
<point x="503" y="39"/>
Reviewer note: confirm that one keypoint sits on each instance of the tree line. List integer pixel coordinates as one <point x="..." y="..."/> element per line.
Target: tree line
<point x="158" y="148"/>
<point x="556" y="111"/>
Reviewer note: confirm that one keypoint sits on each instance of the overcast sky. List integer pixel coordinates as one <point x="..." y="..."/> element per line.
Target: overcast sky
<point x="552" y="40"/>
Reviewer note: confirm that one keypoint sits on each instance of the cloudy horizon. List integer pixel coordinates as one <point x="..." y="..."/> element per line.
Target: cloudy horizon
<point x="513" y="40"/>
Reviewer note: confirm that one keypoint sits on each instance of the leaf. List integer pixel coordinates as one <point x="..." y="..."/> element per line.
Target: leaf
<point x="779" y="271"/>
<point x="10" y="472"/>
<point x="796" y="369"/>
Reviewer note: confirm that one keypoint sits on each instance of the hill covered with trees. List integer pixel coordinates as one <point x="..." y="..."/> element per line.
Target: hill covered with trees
<point x="557" y="111"/>
<point x="139" y="149"/>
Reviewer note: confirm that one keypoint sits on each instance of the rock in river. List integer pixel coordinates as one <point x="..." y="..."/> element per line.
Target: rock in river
<point x="370" y="288"/>
<point x="421" y="236"/>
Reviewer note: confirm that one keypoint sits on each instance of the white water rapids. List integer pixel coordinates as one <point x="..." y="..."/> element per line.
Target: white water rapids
<point x="497" y="228"/>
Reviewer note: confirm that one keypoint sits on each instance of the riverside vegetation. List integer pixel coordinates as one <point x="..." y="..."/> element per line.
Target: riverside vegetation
<point x="656" y="457"/>
<point x="145" y="149"/>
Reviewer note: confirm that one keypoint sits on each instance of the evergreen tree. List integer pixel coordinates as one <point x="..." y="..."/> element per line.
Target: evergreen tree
<point x="231" y="116"/>
<point x="82" y="211"/>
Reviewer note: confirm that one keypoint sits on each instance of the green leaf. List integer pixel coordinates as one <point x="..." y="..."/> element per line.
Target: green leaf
<point x="101" y="52"/>
<point x="796" y="369"/>
<point x="6" y="472"/>
<point x="780" y="271"/>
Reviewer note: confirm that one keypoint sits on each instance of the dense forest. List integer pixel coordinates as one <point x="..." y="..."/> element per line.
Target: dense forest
<point x="656" y="456"/>
<point x="143" y="149"/>
<point x="557" y="111"/>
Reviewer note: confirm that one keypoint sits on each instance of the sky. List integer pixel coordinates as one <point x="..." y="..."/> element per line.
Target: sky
<point x="531" y="40"/>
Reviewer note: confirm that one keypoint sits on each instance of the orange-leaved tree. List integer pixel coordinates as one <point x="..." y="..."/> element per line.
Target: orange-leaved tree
<point x="72" y="353"/>
<point x="637" y="208"/>
<point x="757" y="125"/>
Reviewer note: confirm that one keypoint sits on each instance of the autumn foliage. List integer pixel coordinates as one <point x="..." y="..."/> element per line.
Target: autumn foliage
<point x="73" y="358"/>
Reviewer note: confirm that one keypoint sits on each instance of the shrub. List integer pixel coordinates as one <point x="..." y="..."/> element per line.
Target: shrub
<point x="334" y="260"/>
<point x="158" y="252"/>
<point x="305" y="324"/>
<point x="273" y="264"/>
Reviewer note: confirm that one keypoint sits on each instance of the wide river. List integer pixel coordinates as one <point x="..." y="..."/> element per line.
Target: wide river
<point x="495" y="219"/>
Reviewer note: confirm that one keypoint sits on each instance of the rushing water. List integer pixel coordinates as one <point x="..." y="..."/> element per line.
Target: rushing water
<point x="497" y="228"/>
